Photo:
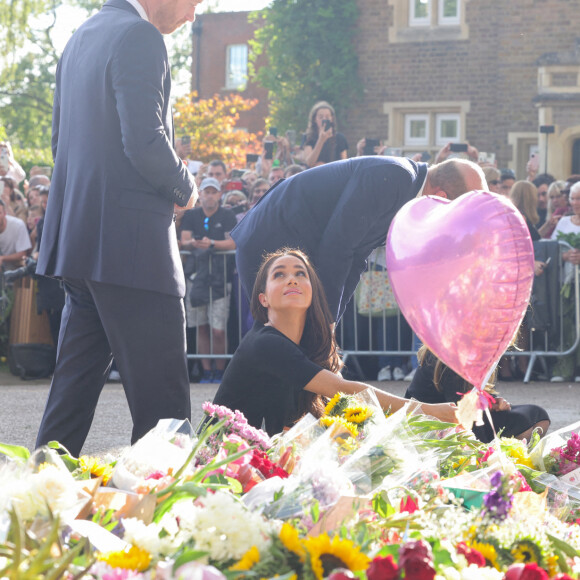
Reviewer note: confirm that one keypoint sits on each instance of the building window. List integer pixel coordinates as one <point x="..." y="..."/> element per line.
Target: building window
<point x="416" y="129"/>
<point x="449" y="12"/>
<point x="448" y="129"/>
<point x="420" y="12"/>
<point x="237" y="66"/>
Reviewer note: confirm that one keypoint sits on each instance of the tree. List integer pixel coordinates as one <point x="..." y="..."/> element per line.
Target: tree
<point x="308" y="45"/>
<point x="28" y="59"/>
<point x="211" y="125"/>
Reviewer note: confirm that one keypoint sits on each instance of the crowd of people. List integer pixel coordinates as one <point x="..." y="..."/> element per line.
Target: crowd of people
<point x="217" y="308"/>
<point x="546" y="203"/>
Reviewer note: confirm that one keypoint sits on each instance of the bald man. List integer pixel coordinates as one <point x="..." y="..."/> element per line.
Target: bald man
<point x="339" y="212"/>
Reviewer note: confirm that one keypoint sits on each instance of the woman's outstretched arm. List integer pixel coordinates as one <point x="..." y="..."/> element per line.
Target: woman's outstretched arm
<point x="327" y="384"/>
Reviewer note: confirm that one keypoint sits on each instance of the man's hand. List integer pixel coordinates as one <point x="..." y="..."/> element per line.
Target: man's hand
<point x="202" y="244"/>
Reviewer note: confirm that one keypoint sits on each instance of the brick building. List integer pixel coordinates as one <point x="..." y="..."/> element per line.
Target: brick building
<point x="488" y="71"/>
<point x="220" y="61"/>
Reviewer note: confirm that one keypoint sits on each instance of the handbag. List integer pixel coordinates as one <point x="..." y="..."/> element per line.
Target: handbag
<point x="374" y="294"/>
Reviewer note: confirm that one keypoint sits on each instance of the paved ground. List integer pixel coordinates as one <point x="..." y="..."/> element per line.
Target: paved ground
<point x="22" y="403"/>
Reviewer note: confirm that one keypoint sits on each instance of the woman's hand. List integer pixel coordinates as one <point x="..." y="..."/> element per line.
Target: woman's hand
<point x="446" y="412"/>
<point x="325" y="134"/>
<point x="360" y="147"/>
<point x="539" y="267"/>
<point x="501" y="405"/>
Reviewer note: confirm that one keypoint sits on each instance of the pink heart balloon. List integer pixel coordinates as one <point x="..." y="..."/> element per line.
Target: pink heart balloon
<point x="462" y="274"/>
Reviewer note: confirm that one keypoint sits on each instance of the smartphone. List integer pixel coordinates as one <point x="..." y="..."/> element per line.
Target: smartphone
<point x="269" y="147"/>
<point x="235" y="174"/>
<point x="458" y="147"/>
<point x="370" y="144"/>
<point x="252" y="157"/>
<point x="186" y="140"/>
<point x="425" y="156"/>
<point x="274" y="131"/>
<point x="327" y="124"/>
<point x="291" y="136"/>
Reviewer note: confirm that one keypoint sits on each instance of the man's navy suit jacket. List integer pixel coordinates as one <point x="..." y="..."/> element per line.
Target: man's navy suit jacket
<point x="337" y="213"/>
<point x="116" y="176"/>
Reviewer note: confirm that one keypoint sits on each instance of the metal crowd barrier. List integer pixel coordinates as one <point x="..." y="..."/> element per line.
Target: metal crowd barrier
<point x="387" y="335"/>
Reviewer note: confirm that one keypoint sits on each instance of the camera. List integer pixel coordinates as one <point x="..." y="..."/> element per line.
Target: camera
<point x="252" y="157"/>
<point x="274" y="131"/>
<point x="458" y="147"/>
<point x="327" y="124"/>
<point x="29" y="269"/>
<point x="370" y="144"/>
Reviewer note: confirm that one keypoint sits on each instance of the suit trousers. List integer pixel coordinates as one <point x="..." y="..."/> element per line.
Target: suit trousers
<point x="144" y="331"/>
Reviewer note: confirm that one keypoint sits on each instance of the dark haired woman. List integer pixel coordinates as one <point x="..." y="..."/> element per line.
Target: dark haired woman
<point x="288" y="362"/>
<point x="323" y="142"/>
<point x="434" y="382"/>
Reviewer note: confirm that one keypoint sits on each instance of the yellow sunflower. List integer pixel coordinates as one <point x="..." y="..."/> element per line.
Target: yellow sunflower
<point x="327" y="554"/>
<point x="132" y="559"/>
<point x="96" y="468"/>
<point x="487" y="551"/>
<point x="339" y="427"/>
<point x="332" y="403"/>
<point x="248" y="561"/>
<point x="291" y="541"/>
<point x="525" y="552"/>
<point x="357" y="415"/>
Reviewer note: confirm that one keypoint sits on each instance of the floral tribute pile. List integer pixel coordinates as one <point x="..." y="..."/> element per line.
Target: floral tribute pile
<point x="355" y="494"/>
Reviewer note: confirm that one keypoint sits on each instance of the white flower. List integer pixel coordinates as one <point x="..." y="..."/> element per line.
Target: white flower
<point x="147" y="537"/>
<point x="472" y="572"/>
<point x="220" y="525"/>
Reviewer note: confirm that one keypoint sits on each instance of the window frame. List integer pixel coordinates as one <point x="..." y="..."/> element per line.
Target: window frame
<point x="439" y="140"/>
<point x="229" y="80"/>
<point x="415" y="141"/>
<point x="420" y="21"/>
<point x="449" y="20"/>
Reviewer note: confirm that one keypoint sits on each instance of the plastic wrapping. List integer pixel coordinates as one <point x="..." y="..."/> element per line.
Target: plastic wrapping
<point x="161" y="452"/>
<point x="545" y="456"/>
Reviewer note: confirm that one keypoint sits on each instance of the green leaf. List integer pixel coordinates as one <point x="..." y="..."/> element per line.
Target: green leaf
<point x="563" y="546"/>
<point x="14" y="451"/>
<point x="188" y="556"/>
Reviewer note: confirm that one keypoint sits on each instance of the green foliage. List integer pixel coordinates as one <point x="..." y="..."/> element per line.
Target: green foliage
<point x="311" y="57"/>
<point x="27" y="74"/>
<point x="33" y="156"/>
<point x="28" y="59"/>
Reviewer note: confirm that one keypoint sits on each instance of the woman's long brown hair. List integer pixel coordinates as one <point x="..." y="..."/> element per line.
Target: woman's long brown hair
<point x="318" y="339"/>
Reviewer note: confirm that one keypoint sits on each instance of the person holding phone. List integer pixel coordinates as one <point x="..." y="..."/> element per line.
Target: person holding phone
<point x="323" y="141"/>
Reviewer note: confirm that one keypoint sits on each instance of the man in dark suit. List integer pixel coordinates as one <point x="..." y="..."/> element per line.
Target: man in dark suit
<point x="339" y="212"/>
<point x="109" y="231"/>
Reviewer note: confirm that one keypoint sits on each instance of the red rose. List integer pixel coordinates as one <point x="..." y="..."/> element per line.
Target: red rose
<point x="408" y="504"/>
<point x="415" y="549"/>
<point x="472" y="556"/>
<point x="383" y="569"/>
<point x="419" y="569"/>
<point x="526" y="572"/>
